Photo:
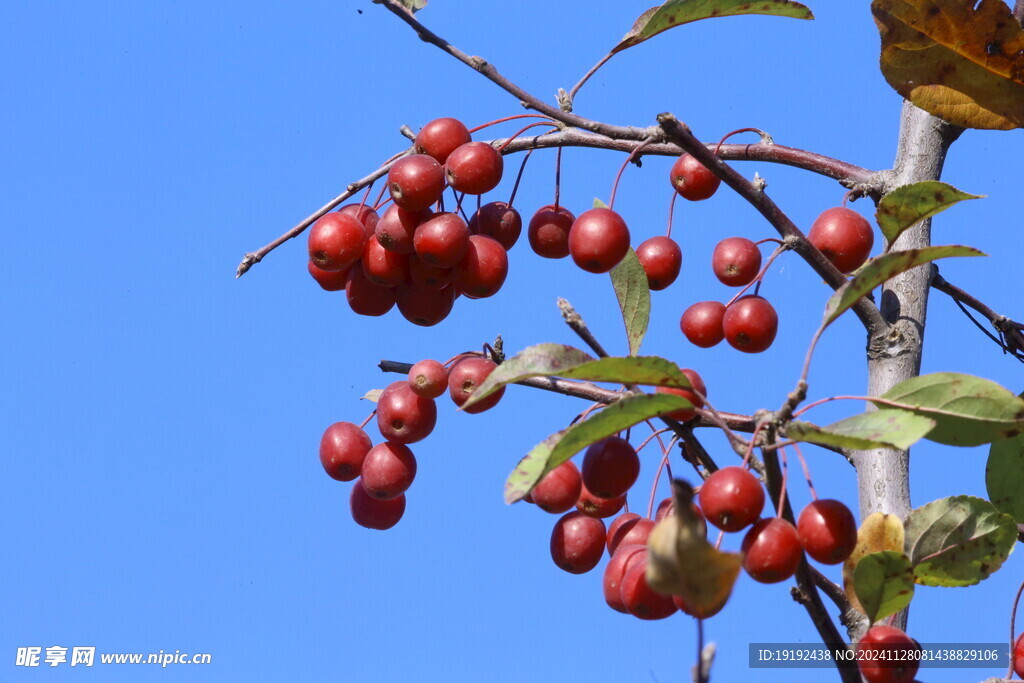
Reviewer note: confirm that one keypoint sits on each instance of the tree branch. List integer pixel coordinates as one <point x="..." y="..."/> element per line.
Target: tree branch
<point x="1011" y="336"/>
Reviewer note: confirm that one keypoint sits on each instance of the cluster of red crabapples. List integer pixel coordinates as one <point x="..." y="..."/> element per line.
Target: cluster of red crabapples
<point x="406" y="413"/>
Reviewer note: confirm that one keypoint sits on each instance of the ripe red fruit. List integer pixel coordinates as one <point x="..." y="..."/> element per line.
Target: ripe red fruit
<point x="661" y="259"/>
<point x="577" y="542"/>
<point x="697" y="383"/>
<point x="598" y="240"/>
<point x="474" y="168"/>
<point x="365" y="297"/>
<point x="416" y="182"/>
<point x="668" y="506"/>
<point x="404" y="417"/>
<point x="843" y="236"/>
<point x="559" y="490"/>
<point x="329" y="280"/>
<point x="628" y="528"/>
<point x="548" y="231"/>
<point x="595" y="506"/>
<point x="336" y="241"/>
<point x="425" y="307"/>
<point x="610" y="467"/>
<point x="388" y="470"/>
<point x="1018" y="656"/>
<point x="639" y="598"/>
<point x="771" y="550"/>
<point x="750" y="324"/>
<point x="441" y="137"/>
<point x="731" y="498"/>
<point x="828" y="531"/>
<point x="426" y="276"/>
<point x="616" y="570"/>
<point x="465" y="376"/>
<point x="428" y="378"/>
<point x="888" y="655"/>
<point x="692" y="179"/>
<point x="383" y="267"/>
<point x="736" y="261"/>
<point x="701" y="323"/>
<point x="442" y="241"/>
<point x="483" y="269"/>
<point x="497" y="220"/>
<point x="374" y="513"/>
<point x="342" y="450"/>
<point x="364" y="214"/>
<point x="397" y="226"/>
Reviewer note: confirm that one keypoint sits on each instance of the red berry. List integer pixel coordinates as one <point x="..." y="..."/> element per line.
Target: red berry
<point x="364" y="214"/>
<point x="843" y="236"/>
<point x="365" y="297"/>
<point x="388" y="470"/>
<point x="639" y="598"/>
<point x="483" y="269"/>
<point x="610" y="467"/>
<point x="404" y="417"/>
<point x="731" y="498"/>
<point x="689" y="394"/>
<point x="628" y="528"/>
<point x="692" y="179"/>
<point x="661" y="259"/>
<point x="383" y="267"/>
<point x="577" y="542"/>
<point x="559" y="490"/>
<point x="701" y="323"/>
<point x="771" y="550"/>
<point x="465" y="376"/>
<point x="474" y="168"/>
<point x="416" y="182"/>
<point x="497" y="220"/>
<point x="668" y="506"/>
<point x="441" y="137"/>
<point x="428" y="378"/>
<point x="374" y="513"/>
<point x="397" y="226"/>
<point x="888" y="655"/>
<point x="442" y="241"/>
<point x="736" y="261"/>
<point x="342" y="450"/>
<point x="548" y="231"/>
<point x="1018" y="656"/>
<point x="425" y="307"/>
<point x="595" y="506"/>
<point x="828" y="531"/>
<point x="329" y="280"/>
<point x="336" y="241"/>
<point x="750" y="324"/>
<point x="598" y="240"/>
<point x="426" y="276"/>
<point x="615" y="572"/>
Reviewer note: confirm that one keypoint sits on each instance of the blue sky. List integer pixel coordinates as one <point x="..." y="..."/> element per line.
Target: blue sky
<point x="160" y="419"/>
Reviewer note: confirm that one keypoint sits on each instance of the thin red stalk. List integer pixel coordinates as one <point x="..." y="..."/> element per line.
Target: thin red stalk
<point x="523" y="130"/>
<point x="826" y="400"/>
<point x="508" y="118"/>
<point x="618" y="176"/>
<point x="671" y="209"/>
<point x="764" y="136"/>
<point x="782" y="487"/>
<point x="368" y="418"/>
<point x="519" y="176"/>
<point x="807" y="470"/>
<point x="558" y="176"/>
<point x="760" y="276"/>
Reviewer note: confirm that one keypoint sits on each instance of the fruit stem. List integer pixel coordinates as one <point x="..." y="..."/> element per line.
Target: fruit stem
<point x="760" y="276"/>
<point x="769" y="239"/>
<point x="806" y="469"/>
<point x="1013" y="617"/>
<point x="366" y="195"/>
<point x="666" y="452"/>
<point x="368" y="418"/>
<point x="523" y="130"/>
<point x="508" y="118"/>
<point x="766" y="139"/>
<point x="458" y="203"/>
<point x="519" y="176"/>
<point x="671" y="208"/>
<point x="558" y="176"/>
<point x="632" y="155"/>
<point x="701" y="674"/>
<point x="782" y="489"/>
<point x="826" y="400"/>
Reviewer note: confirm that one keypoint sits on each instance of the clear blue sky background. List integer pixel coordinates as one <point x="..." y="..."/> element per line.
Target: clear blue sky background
<point x="159" y="420"/>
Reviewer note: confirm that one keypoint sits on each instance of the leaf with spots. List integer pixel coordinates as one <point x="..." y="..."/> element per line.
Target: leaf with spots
<point x="678" y="12"/>
<point x="879" y="429"/>
<point x="562" y="445"/>
<point x="1004" y="476"/>
<point x="877" y="532"/>
<point x="960" y="60"/>
<point x="909" y="204"/>
<point x="968" y="410"/>
<point x="634" y="294"/>
<point x="884" y="582"/>
<point x="958" y="541"/>
<point x="883" y="268"/>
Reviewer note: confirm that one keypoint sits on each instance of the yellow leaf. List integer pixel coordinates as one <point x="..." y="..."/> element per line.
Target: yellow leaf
<point x="960" y="63"/>
<point x="876" y="533"/>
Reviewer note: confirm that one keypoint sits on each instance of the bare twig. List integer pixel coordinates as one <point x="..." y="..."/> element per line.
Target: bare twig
<point x="576" y="323"/>
<point x="1011" y="338"/>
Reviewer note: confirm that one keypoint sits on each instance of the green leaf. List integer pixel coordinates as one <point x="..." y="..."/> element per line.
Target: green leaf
<point x="562" y="445"/>
<point x="968" y="410"/>
<point x="1004" y="476"/>
<point x="634" y="294"/>
<point x="958" y="541"/>
<point x="880" y="269"/>
<point x="533" y="361"/>
<point x="879" y="429"/>
<point x="679" y="12"/>
<point x="884" y="583"/>
<point x="598" y="204"/>
<point x="909" y="204"/>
